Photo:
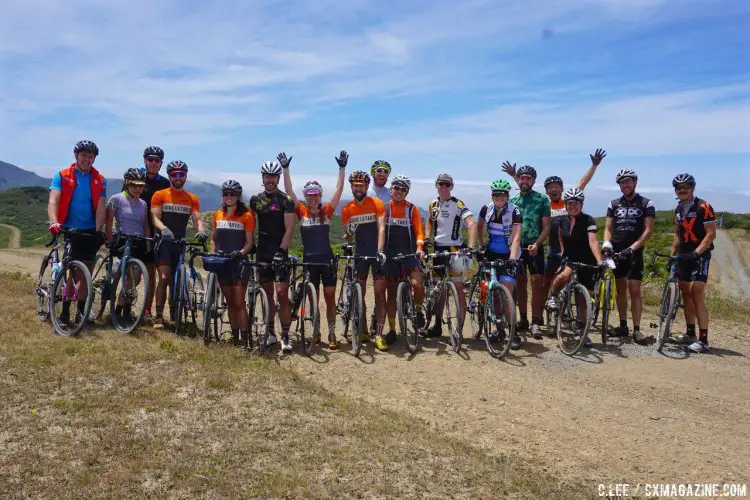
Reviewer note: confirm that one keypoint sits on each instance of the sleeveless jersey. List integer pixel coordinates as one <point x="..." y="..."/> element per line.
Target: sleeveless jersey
<point x="362" y="222"/>
<point x="230" y="230"/>
<point x="176" y="209"/>
<point x="500" y="226"/>
<point x="448" y="218"/>
<point x="404" y="232"/>
<point x="316" y="237"/>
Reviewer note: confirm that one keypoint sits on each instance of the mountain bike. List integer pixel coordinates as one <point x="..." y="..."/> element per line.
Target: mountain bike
<point x="671" y="299"/>
<point x="435" y="288"/>
<point x="107" y="275"/>
<point x="573" y="300"/>
<point x="350" y="304"/>
<point x="407" y="313"/>
<point x="603" y="299"/>
<point x="256" y="301"/>
<point x="188" y="292"/>
<point x="488" y="312"/>
<point x="59" y="287"/>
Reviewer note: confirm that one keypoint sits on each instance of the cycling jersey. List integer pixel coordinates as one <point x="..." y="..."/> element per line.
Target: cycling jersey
<point x="448" y="219"/>
<point x="575" y="235"/>
<point x="316" y="232"/>
<point x="382" y="193"/>
<point x="533" y="206"/>
<point x="403" y="231"/>
<point x="270" y="209"/>
<point x="176" y="208"/>
<point x="230" y="230"/>
<point x="361" y="220"/>
<point x="629" y="219"/>
<point x="690" y="218"/>
<point x="500" y="226"/>
<point x="557" y="211"/>
<point x="129" y="213"/>
<point x="152" y="186"/>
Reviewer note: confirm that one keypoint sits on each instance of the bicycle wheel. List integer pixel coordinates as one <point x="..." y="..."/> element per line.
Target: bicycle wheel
<point x="210" y="305"/>
<point x="571" y="327"/>
<point x="406" y="314"/>
<point x="452" y="315"/>
<point x="357" y="318"/>
<point x="257" y="311"/>
<point x="500" y="329"/>
<point x="41" y="293"/>
<point x="61" y="320"/>
<point x="605" y="303"/>
<point x="180" y="300"/>
<point x="196" y="298"/>
<point x="475" y="309"/>
<point x="134" y="292"/>
<point x="596" y="300"/>
<point x="307" y="318"/>
<point x="101" y="282"/>
<point x="666" y="314"/>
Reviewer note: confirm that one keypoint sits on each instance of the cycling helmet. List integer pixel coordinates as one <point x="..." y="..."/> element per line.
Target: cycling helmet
<point x="500" y="185"/>
<point x="312" y="187"/>
<point x="459" y="264"/>
<point x="444" y="178"/>
<point x="573" y="194"/>
<point x="177" y="165"/>
<point x="526" y="170"/>
<point x="553" y="179"/>
<point x="626" y="173"/>
<point x="683" y="179"/>
<point x="153" y="151"/>
<point x="380" y="164"/>
<point x="359" y="176"/>
<point x="231" y="185"/>
<point x="135" y="174"/>
<point x="86" y="147"/>
<point x="270" y="168"/>
<point x="401" y="180"/>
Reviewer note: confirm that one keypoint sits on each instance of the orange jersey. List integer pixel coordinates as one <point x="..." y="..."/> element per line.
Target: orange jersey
<point x="404" y="230"/>
<point x="176" y="209"/>
<point x="361" y="220"/>
<point x="230" y="230"/>
<point x="315" y="230"/>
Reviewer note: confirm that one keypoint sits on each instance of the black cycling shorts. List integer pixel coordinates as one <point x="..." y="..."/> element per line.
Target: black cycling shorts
<point x="586" y="277"/>
<point x="554" y="259"/>
<point x="234" y="273"/>
<point x="534" y="264"/>
<point x="84" y="245"/>
<point x="364" y="267"/>
<point x="630" y="269"/>
<point x="273" y="273"/>
<point x="697" y="270"/>
<point x="167" y="253"/>
<point x="324" y="275"/>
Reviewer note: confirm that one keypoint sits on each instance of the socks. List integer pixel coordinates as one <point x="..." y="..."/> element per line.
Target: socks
<point x="703" y="335"/>
<point x="235" y="333"/>
<point x="536" y="321"/>
<point x="331" y="326"/>
<point x="418" y="307"/>
<point x="285" y="330"/>
<point x="524" y="317"/>
<point x="636" y="328"/>
<point x="159" y="310"/>
<point x="624" y="324"/>
<point x="392" y="322"/>
<point x="81" y="306"/>
<point x="691" y="330"/>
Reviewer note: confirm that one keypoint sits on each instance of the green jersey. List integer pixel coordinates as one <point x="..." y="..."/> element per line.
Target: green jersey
<point x="533" y="206"/>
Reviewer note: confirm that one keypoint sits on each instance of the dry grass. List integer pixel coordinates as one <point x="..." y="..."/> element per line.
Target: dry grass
<point x="735" y="309"/>
<point x="108" y="415"/>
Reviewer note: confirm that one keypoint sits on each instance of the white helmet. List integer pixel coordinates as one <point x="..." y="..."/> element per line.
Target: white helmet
<point x="402" y="181"/>
<point x="573" y="194"/>
<point x="312" y="187"/>
<point x="270" y="168"/>
<point x="626" y="173"/>
<point x="459" y="264"/>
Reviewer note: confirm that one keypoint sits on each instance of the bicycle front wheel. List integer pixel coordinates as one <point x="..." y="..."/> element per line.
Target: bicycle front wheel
<point x="605" y="301"/>
<point x="500" y="314"/>
<point x="406" y="314"/>
<point x="257" y="312"/>
<point x="101" y="282"/>
<point x="666" y="313"/>
<point x="64" y="299"/>
<point x="357" y="319"/>
<point x="573" y="319"/>
<point x="133" y="292"/>
<point x="41" y="293"/>
<point x="452" y="315"/>
<point x="307" y="318"/>
<point x="210" y="306"/>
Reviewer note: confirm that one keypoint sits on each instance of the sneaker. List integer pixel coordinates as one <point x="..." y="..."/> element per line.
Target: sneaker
<point x="435" y="332"/>
<point x="332" y="342"/>
<point x="420" y="320"/>
<point x="286" y="344"/>
<point x="522" y="325"/>
<point x="515" y="343"/>
<point x="365" y="337"/>
<point x="587" y="342"/>
<point x="391" y="337"/>
<point x="685" y="339"/>
<point x="536" y="331"/>
<point x="640" y="338"/>
<point x="271" y="340"/>
<point x="551" y="303"/>
<point x="158" y="323"/>
<point x="618" y="331"/>
<point x="381" y="344"/>
<point x="698" y="347"/>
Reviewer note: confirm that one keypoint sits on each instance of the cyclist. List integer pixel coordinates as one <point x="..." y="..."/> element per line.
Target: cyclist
<point x="171" y="210"/>
<point x="129" y="211"/>
<point x="579" y="243"/>
<point x="153" y="157"/>
<point x="535" y="208"/>
<point x="274" y="211"/>
<point x="364" y="220"/>
<point x="380" y="170"/>
<point x="77" y="197"/>
<point x="630" y="222"/>
<point x="232" y="234"/>
<point x="503" y="221"/>
<point x="404" y="234"/>
<point x="693" y="242"/>
<point x="447" y="217"/>
<point x="314" y="226"/>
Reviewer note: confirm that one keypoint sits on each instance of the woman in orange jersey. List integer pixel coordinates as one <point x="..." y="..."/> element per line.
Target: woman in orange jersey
<point x="314" y="219"/>
<point x="233" y="230"/>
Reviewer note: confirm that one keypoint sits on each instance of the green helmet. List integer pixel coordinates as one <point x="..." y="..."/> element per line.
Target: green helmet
<point x="500" y="185"/>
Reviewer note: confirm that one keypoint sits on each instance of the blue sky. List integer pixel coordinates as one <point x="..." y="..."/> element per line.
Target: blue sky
<point x="430" y="86"/>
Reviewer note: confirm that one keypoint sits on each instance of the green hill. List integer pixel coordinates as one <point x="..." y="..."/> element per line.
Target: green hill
<point x="26" y="208"/>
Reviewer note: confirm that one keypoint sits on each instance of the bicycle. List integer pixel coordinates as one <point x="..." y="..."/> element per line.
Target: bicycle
<point x="106" y="279"/>
<point x="435" y="288"/>
<point x="491" y="307"/>
<point x="61" y="287"/>
<point x="215" y="304"/>
<point x="405" y="308"/>
<point x="256" y="301"/>
<point x="304" y="302"/>
<point x="188" y="291"/>
<point x="350" y="303"/>
<point x="605" y="291"/>
<point x="566" y="315"/>
<point x="671" y="300"/>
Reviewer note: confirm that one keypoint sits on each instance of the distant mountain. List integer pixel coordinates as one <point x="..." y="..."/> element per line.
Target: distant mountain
<point x="12" y="176"/>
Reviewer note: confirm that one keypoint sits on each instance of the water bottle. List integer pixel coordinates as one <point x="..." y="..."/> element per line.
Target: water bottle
<point x="56" y="268"/>
<point x="483" y="292"/>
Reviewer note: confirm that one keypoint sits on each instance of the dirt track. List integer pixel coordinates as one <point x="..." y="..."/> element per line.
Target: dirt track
<point x="726" y="260"/>
<point x="621" y="413"/>
<point x="15" y="236"/>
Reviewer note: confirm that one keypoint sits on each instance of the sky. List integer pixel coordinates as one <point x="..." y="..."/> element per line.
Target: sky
<point x="430" y="86"/>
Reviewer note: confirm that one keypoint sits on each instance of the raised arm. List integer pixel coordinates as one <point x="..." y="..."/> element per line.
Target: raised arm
<point x="510" y="169"/>
<point x="284" y="162"/>
<point x="596" y="159"/>
<point x="342" y="159"/>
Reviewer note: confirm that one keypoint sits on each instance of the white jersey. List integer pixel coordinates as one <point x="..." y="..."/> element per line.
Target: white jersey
<point x="381" y="193"/>
<point x="448" y="218"/>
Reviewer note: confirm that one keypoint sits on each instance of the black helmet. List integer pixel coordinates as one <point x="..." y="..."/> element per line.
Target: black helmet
<point x="86" y="147"/>
<point x="527" y="170"/>
<point x="231" y="185"/>
<point x="683" y="179"/>
<point x="177" y="165"/>
<point x="153" y="151"/>
<point x="135" y="174"/>
<point x="553" y="179"/>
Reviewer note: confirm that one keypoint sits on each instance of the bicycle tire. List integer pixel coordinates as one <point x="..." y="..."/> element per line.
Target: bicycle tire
<point x="667" y="307"/>
<point x="209" y="304"/>
<point x="60" y="279"/>
<point x="357" y="318"/>
<point x="256" y="300"/>
<point x="475" y="308"/>
<point x="596" y="300"/>
<point x="196" y="298"/>
<point x="180" y="300"/>
<point x="101" y="282"/>
<point x="307" y="317"/>
<point x="405" y="310"/>
<point x="508" y="327"/>
<point x="569" y="306"/>
<point x="606" y="299"/>
<point x="133" y="266"/>
<point x="42" y="293"/>
<point x="453" y="320"/>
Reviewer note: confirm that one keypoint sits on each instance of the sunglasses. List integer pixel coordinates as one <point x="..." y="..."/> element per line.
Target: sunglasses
<point x="444" y="184"/>
<point x="400" y="189"/>
<point x="683" y="187"/>
<point x="381" y="170"/>
<point x="137" y="185"/>
<point x="153" y="159"/>
<point x="177" y="174"/>
<point x="495" y="194"/>
<point x="228" y="193"/>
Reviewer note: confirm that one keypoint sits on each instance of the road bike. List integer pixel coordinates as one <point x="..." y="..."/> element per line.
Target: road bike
<point x="603" y="298"/>
<point x="435" y="288"/>
<point x="350" y="303"/>
<point x="407" y="313"/>
<point x="671" y="299"/>
<point x="573" y="314"/>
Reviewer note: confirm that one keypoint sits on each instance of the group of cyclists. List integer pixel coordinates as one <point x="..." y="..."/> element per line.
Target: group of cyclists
<point x="383" y="224"/>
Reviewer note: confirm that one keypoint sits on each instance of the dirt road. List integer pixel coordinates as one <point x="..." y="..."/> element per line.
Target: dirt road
<point x="15" y="236"/>
<point x="728" y="268"/>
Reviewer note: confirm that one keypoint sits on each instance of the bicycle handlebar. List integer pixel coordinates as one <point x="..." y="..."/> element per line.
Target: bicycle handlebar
<point x="68" y="232"/>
